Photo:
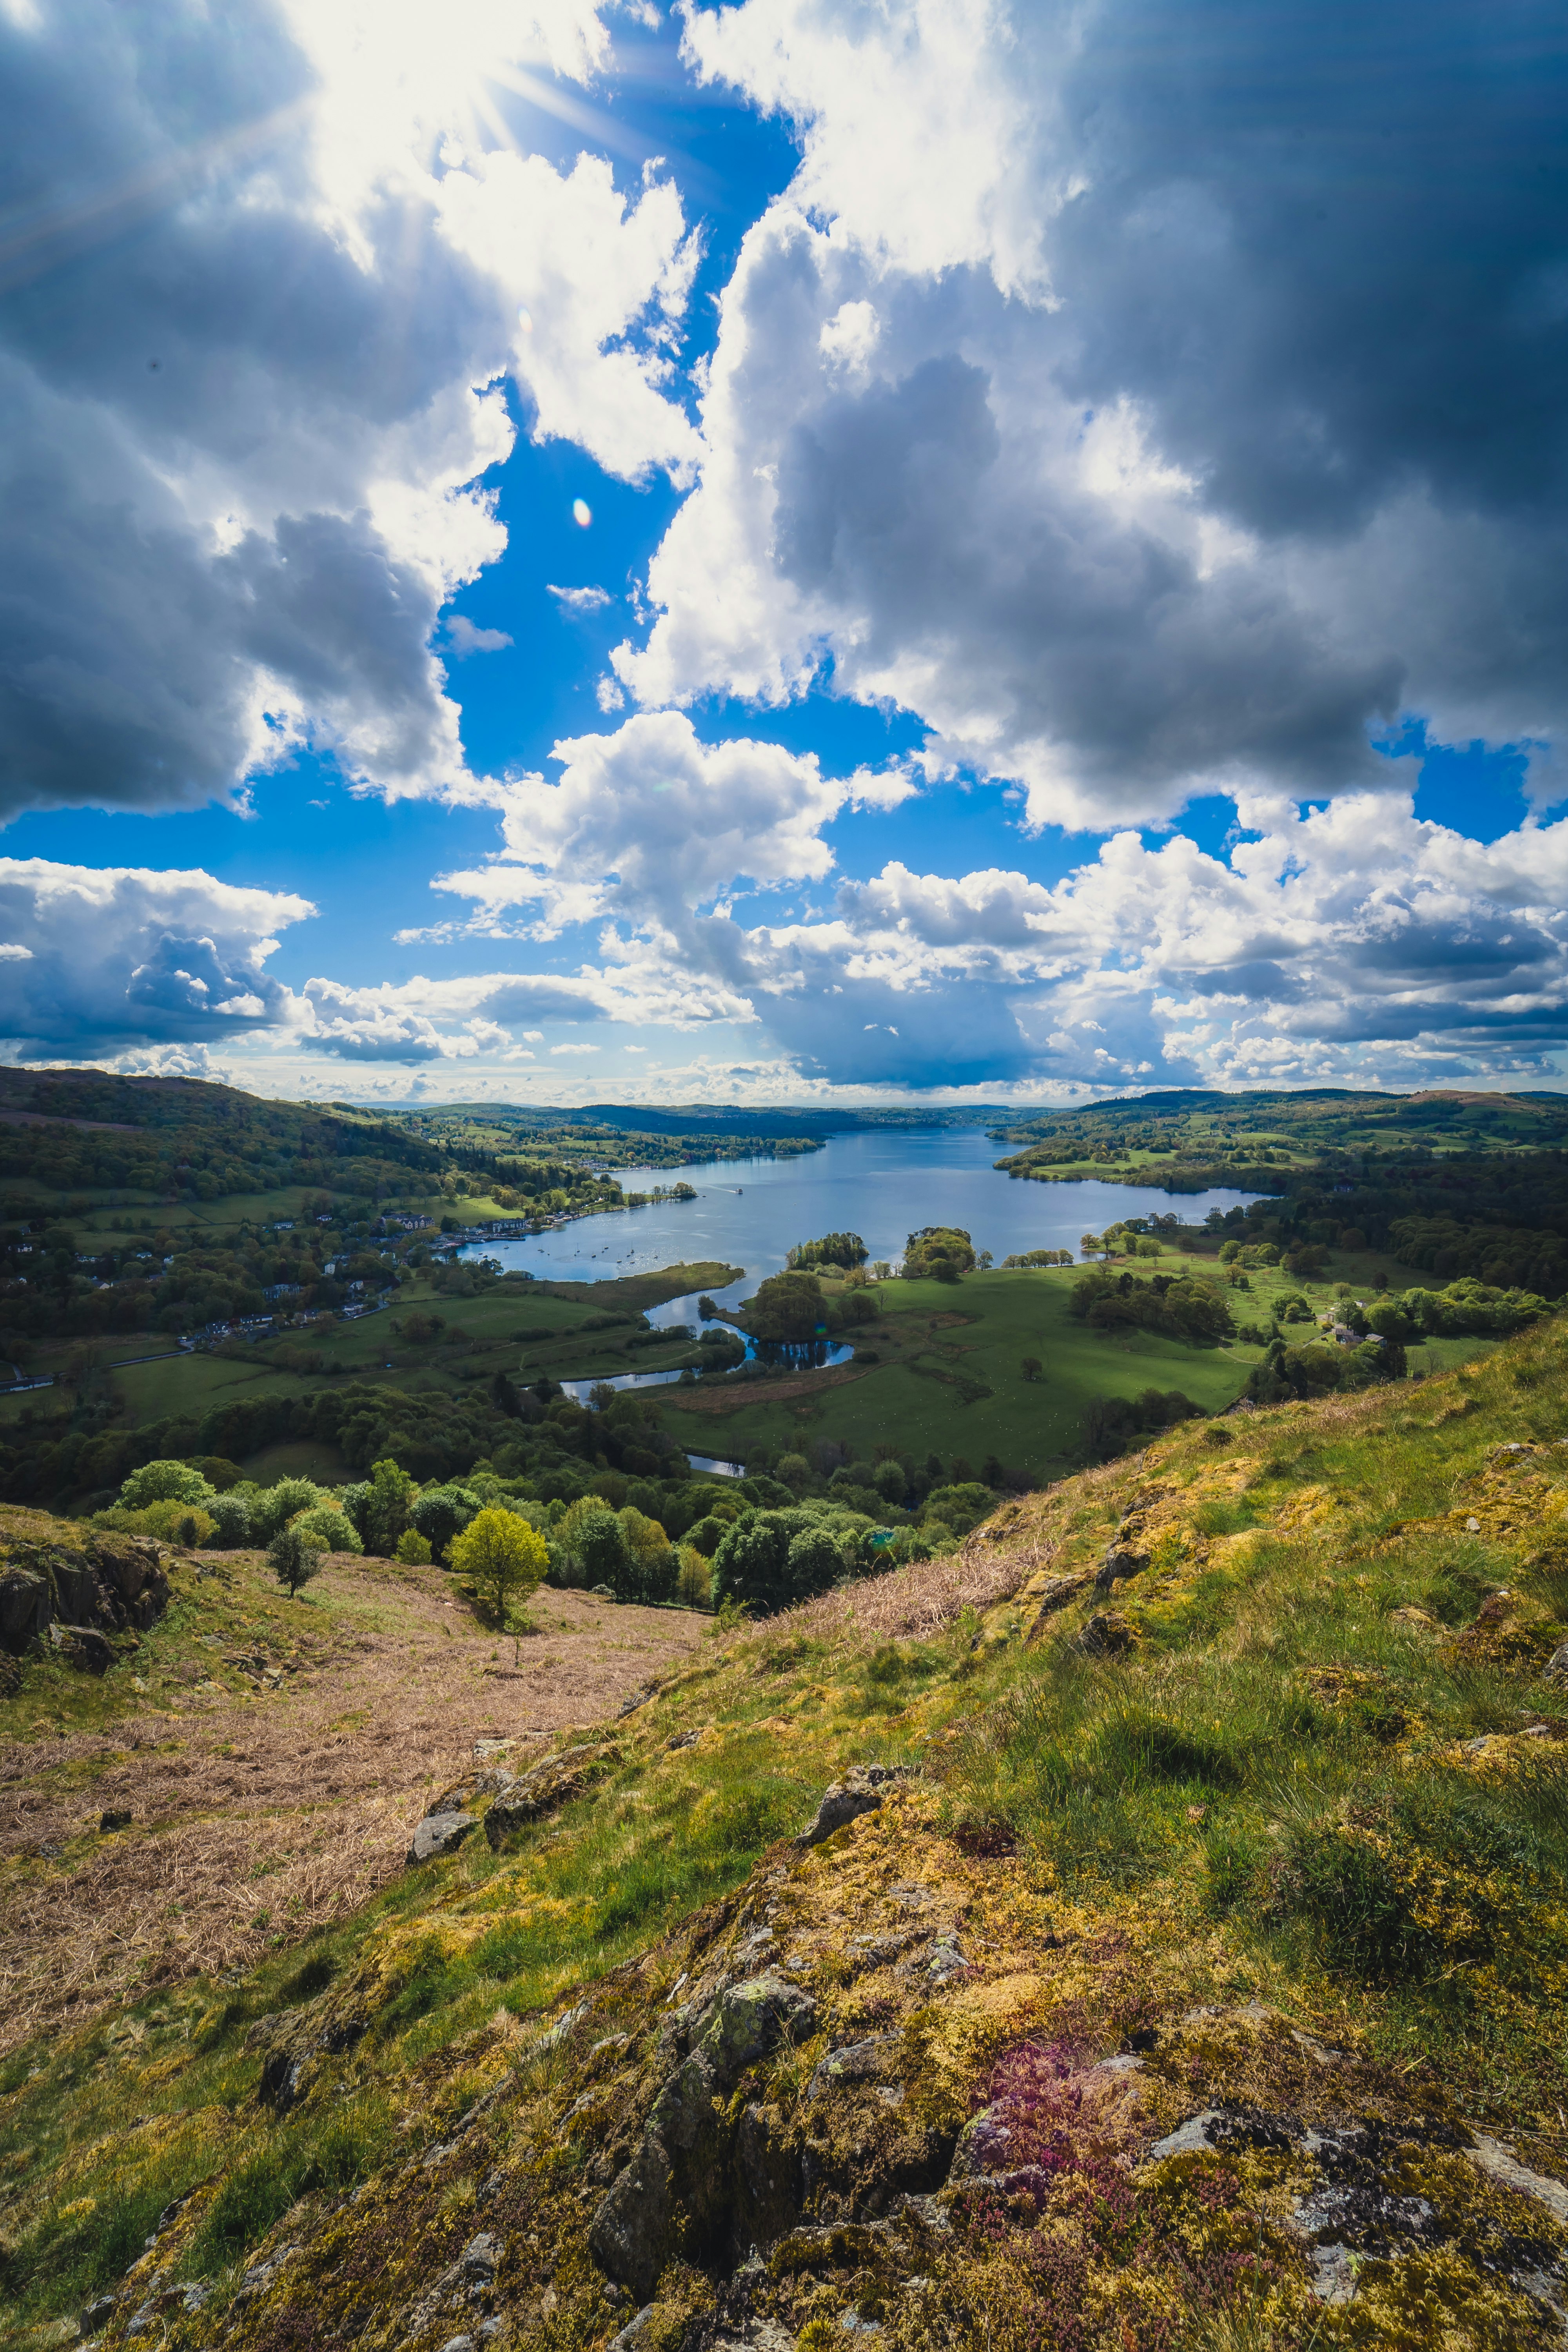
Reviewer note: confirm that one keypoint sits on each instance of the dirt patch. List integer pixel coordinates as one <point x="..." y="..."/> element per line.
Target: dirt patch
<point x="259" y="1813"/>
<point x="716" y="1403"/>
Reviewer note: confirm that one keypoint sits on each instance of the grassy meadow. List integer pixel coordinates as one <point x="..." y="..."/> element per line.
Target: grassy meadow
<point x="949" y="1378"/>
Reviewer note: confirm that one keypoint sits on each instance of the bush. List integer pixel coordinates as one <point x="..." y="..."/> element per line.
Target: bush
<point x="324" y="1524"/>
<point x="751" y="1564"/>
<point x="165" y="1481"/>
<point x="273" y="1506"/>
<point x="443" y="1512"/>
<point x="694" y="1584"/>
<point x="231" y="1521"/>
<point x="413" y="1548"/>
<point x="960" y="1508"/>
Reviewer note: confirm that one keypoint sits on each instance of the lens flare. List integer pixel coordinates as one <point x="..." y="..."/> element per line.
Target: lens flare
<point x="581" y="513"/>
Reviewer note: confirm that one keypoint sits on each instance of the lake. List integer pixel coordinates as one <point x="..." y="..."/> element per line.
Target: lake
<point x="881" y="1185"/>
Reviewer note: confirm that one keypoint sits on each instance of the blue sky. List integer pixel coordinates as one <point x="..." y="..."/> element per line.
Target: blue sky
<point x="781" y="554"/>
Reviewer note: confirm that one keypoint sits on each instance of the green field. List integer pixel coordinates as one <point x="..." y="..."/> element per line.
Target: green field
<point x="950" y="1380"/>
<point x="522" y="1329"/>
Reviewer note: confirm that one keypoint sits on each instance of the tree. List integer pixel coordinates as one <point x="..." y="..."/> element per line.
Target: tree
<point x="389" y="1497"/>
<point x="165" y="1481"/>
<point x="788" y="1307"/>
<point x="941" y="1253"/>
<point x="274" y="1506"/>
<point x="294" y="1557"/>
<point x="503" y="1557"/>
<point x="832" y="1249"/>
<point x="1031" y="1368"/>
<point x="443" y="1512"/>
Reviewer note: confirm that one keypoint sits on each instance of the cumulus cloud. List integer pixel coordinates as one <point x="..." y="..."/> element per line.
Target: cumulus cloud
<point x="1149" y="411"/>
<point x="260" y="266"/>
<point x="101" y="960"/>
<point x="1349" y="941"/>
<point x="464" y="637"/>
<point x="649" y="824"/>
<point x="580" y="600"/>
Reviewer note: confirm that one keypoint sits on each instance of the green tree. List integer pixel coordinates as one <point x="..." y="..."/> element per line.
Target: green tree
<point x="940" y="1252"/>
<point x="832" y="1249"/>
<point x="1031" y="1368"/>
<point x="441" y="1513"/>
<point x="165" y="1481"/>
<point x="503" y="1557"/>
<point x="294" y="1557"/>
<point x="274" y="1506"/>
<point x="790" y="1307"/>
<point x="386" y="1506"/>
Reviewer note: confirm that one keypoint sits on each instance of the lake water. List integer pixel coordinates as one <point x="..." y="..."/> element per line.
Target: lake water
<point x="881" y="1185"/>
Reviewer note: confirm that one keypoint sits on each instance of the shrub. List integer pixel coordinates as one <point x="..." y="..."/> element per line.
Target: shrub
<point x="324" y="1524"/>
<point x="413" y="1548"/>
<point x="165" y="1481"/>
<point x="961" y="1508"/>
<point x="752" y="1566"/>
<point x="166" y="1520"/>
<point x="231" y="1521"/>
<point x="441" y="1513"/>
<point x="694" y="1584"/>
<point x="274" y="1506"/>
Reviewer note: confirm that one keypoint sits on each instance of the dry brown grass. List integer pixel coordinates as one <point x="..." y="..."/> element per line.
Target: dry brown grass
<point x="914" y="1602"/>
<point x="719" y="1402"/>
<point x="259" y="1816"/>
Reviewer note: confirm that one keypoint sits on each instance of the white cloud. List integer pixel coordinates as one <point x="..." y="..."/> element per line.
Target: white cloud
<point x="649" y="824"/>
<point x="581" y="600"/>
<point x="102" y="960"/>
<point x="238" y="450"/>
<point x="1101" y="398"/>
<point x="465" y="638"/>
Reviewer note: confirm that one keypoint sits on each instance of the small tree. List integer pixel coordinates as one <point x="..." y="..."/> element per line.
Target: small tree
<point x="294" y="1557"/>
<point x="503" y="1557"/>
<point x="1032" y="1368"/>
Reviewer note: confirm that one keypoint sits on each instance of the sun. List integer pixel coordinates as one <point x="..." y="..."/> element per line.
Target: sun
<point x="404" y="85"/>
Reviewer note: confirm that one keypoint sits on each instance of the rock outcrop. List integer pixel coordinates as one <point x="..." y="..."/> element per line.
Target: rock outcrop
<point x="86" y="1603"/>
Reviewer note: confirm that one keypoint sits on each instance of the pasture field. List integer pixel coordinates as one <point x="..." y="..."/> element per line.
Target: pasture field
<point x="949" y="1378"/>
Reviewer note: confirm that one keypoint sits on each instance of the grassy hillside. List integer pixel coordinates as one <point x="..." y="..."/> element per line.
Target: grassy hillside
<point x="1199" y="1983"/>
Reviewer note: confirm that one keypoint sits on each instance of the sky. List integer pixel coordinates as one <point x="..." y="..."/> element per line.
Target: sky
<point x="858" y="551"/>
